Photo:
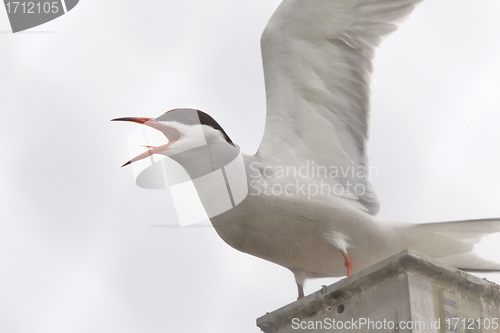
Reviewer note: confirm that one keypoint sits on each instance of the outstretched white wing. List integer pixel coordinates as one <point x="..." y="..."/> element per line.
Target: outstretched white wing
<point x="317" y="58"/>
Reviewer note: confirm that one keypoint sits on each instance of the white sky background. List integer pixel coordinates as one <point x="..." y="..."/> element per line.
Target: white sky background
<point x="77" y="253"/>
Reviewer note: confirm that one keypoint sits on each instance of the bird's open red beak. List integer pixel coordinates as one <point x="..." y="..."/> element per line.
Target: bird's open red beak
<point x="172" y="135"/>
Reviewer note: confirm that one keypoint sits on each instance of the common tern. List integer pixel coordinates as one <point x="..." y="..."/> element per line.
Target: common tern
<point x="308" y="203"/>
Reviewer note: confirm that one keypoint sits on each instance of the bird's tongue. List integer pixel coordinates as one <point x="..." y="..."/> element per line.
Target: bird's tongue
<point x="171" y="133"/>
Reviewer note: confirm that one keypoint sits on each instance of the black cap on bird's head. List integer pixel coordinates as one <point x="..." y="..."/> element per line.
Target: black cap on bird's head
<point x="176" y="125"/>
<point x="193" y="117"/>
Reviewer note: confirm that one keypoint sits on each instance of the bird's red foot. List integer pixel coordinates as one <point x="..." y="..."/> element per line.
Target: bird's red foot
<point x="301" y="291"/>
<point x="347" y="263"/>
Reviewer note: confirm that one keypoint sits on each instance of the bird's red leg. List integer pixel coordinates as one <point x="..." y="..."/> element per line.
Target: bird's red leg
<point x="301" y="291"/>
<point x="347" y="263"/>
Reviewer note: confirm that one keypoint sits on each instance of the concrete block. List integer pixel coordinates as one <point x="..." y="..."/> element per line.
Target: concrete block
<point x="407" y="292"/>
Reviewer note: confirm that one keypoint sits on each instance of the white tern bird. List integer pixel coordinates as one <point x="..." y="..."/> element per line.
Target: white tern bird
<point x="307" y="203"/>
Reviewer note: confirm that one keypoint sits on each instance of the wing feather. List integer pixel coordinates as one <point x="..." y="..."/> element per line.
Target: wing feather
<point x="317" y="57"/>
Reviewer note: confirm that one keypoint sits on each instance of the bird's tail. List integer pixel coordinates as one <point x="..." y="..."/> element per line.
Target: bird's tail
<point x="453" y="242"/>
